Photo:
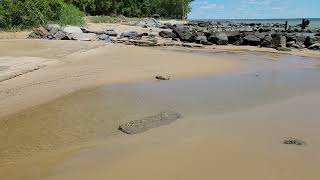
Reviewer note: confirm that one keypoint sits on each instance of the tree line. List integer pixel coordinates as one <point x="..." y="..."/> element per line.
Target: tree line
<point x="177" y="9"/>
<point x="21" y="14"/>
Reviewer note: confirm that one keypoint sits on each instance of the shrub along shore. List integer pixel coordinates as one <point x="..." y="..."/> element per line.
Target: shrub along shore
<point x="24" y="14"/>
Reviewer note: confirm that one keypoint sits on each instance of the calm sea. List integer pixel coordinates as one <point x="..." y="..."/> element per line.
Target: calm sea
<point x="314" y="22"/>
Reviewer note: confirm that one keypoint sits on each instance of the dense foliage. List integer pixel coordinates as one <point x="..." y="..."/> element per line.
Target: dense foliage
<point x="30" y="13"/>
<point x="177" y="9"/>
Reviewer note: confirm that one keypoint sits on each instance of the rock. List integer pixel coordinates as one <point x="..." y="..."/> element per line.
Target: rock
<point x="309" y="41"/>
<point x="164" y="78"/>
<point x="278" y="40"/>
<point x="61" y="36"/>
<point x="83" y="36"/>
<point x="294" y="141"/>
<point x="239" y="42"/>
<point x="192" y="45"/>
<point x="183" y="33"/>
<point x="147" y="123"/>
<point x="251" y="40"/>
<point x="84" y="30"/>
<point x="130" y="35"/>
<point x="41" y="31"/>
<point x="71" y="29"/>
<point x="283" y="49"/>
<point x="315" y="46"/>
<point x="267" y="42"/>
<point x="219" y="38"/>
<point x="104" y="37"/>
<point x="150" y="22"/>
<point x="233" y="36"/>
<point x="53" y="26"/>
<point x="111" y="32"/>
<point x="53" y="31"/>
<point x="167" y="34"/>
<point x="318" y="34"/>
<point x="202" y="40"/>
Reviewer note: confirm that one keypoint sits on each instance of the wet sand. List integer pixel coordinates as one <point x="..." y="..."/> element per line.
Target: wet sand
<point x="237" y="107"/>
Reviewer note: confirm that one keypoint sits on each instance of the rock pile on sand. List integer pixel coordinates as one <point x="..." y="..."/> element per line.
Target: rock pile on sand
<point x="194" y="34"/>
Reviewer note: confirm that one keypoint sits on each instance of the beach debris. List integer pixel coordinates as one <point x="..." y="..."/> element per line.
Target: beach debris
<point x="163" y="77"/>
<point x="147" y="123"/>
<point x="294" y="141"/>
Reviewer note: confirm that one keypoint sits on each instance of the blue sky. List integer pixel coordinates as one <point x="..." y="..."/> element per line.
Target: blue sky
<point x="250" y="9"/>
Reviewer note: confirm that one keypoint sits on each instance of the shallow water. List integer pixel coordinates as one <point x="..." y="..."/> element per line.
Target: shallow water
<point x="91" y="115"/>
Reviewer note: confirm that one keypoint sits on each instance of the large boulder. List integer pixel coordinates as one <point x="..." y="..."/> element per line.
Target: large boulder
<point x="202" y="39"/>
<point x="53" y="26"/>
<point x="184" y="33"/>
<point x="150" y="22"/>
<point x="219" y="38"/>
<point x="130" y="35"/>
<point x="267" y="42"/>
<point x="41" y="32"/>
<point x="251" y="40"/>
<point x="278" y="40"/>
<point x="111" y="32"/>
<point x="309" y="41"/>
<point x="61" y="36"/>
<point x="233" y="36"/>
<point x="72" y="29"/>
<point x="147" y="123"/>
<point x="167" y="34"/>
<point x="315" y="46"/>
<point x="83" y="36"/>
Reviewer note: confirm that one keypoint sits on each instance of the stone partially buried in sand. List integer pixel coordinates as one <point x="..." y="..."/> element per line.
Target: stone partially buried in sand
<point x="163" y="77"/>
<point x="147" y="123"/>
<point x="294" y="141"/>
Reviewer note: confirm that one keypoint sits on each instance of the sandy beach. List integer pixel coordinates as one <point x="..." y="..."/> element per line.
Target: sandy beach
<point x="59" y="119"/>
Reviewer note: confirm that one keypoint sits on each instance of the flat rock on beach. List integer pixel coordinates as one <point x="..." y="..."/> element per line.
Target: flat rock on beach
<point x="142" y="125"/>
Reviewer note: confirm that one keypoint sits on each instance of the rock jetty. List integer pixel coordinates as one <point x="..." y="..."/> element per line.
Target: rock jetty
<point x="195" y="34"/>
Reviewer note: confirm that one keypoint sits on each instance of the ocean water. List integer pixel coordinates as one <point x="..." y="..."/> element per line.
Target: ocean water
<point x="314" y="22"/>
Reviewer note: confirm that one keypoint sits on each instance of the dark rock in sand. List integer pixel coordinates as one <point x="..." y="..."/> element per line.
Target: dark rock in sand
<point x="278" y="40"/>
<point x="161" y="77"/>
<point x="202" y="39"/>
<point x="167" y="34"/>
<point x="147" y="123"/>
<point x="233" y="36"/>
<point x="251" y="40"/>
<point x="309" y="41"/>
<point x="294" y="141"/>
<point x="238" y="42"/>
<point x="267" y="42"/>
<point x="315" y="46"/>
<point x="219" y="38"/>
<point x="183" y="33"/>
